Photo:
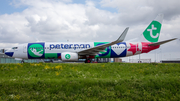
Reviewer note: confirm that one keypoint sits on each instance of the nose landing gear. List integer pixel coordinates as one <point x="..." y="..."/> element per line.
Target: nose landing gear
<point x="22" y="61"/>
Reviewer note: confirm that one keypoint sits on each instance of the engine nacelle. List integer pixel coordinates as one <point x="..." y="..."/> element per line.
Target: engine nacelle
<point x="69" y="56"/>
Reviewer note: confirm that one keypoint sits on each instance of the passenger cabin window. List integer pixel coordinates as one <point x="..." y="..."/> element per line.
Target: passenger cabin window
<point x="15" y="48"/>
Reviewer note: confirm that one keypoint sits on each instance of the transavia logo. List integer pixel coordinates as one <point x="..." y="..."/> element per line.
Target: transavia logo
<point x="35" y="50"/>
<point x="152" y="32"/>
<point x="67" y="56"/>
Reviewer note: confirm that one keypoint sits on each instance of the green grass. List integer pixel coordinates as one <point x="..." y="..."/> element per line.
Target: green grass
<point x="106" y="81"/>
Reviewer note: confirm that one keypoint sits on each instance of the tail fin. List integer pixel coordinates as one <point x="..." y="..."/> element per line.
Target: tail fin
<point x="152" y="32"/>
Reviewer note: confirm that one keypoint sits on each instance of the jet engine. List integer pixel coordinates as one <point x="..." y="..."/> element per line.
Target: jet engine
<point x="69" y="56"/>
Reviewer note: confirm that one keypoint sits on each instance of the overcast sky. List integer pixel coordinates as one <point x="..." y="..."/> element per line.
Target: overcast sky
<point x="24" y="21"/>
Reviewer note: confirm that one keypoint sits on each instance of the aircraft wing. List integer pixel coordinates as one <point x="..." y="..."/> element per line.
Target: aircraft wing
<point x="101" y="48"/>
<point x="161" y="42"/>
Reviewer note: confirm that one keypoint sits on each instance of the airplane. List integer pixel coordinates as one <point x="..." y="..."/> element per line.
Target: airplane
<point x="73" y="51"/>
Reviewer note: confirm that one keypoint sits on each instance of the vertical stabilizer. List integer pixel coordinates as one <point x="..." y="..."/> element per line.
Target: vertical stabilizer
<point x="152" y="32"/>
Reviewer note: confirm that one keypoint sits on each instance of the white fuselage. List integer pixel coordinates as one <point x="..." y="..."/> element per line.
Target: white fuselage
<point x="55" y="50"/>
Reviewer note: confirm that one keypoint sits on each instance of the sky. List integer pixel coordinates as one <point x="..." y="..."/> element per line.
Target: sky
<point x="23" y="21"/>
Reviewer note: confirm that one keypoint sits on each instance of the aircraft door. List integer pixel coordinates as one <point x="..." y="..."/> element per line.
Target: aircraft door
<point x="139" y="47"/>
<point x="24" y="48"/>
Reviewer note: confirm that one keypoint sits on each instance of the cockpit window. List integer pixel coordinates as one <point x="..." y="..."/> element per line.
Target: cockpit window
<point x="15" y="48"/>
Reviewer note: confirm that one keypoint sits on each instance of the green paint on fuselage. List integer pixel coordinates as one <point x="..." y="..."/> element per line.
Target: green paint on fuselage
<point x="51" y="56"/>
<point x="108" y="54"/>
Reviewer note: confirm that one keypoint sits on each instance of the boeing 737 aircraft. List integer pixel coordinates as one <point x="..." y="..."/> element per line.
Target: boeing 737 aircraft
<point x="73" y="51"/>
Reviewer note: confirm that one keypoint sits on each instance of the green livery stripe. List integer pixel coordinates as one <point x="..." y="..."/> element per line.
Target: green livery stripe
<point x="51" y="55"/>
<point x="103" y="54"/>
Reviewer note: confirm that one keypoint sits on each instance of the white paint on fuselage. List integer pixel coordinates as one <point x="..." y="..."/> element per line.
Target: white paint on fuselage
<point x="137" y="48"/>
<point x="18" y="53"/>
<point x="21" y="52"/>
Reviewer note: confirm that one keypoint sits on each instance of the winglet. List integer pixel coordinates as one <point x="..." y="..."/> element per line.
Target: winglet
<point x="123" y="35"/>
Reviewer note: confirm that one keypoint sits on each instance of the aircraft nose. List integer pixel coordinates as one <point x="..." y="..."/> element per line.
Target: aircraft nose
<point x="9" y="53"/>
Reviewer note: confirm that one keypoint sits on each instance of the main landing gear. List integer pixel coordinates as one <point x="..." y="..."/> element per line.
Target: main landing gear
<point x="88" y="60"/>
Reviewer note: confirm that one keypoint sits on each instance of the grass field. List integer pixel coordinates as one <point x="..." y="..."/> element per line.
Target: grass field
<point x="102" y="81"/>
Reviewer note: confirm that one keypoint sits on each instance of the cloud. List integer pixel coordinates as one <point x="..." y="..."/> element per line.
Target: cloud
<point x="65" y="21"/>
<point x="134" y="11"/>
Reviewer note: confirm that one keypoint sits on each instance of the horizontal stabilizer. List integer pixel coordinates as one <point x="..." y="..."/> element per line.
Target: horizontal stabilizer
<point x="162" y="42"/>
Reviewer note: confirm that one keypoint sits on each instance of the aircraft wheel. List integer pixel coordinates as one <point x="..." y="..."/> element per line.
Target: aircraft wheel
<point x="22" y="61"/>
<point x="88" y="61"/>
<point x="51" y="61"/>
<point x="85" y="61"/>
